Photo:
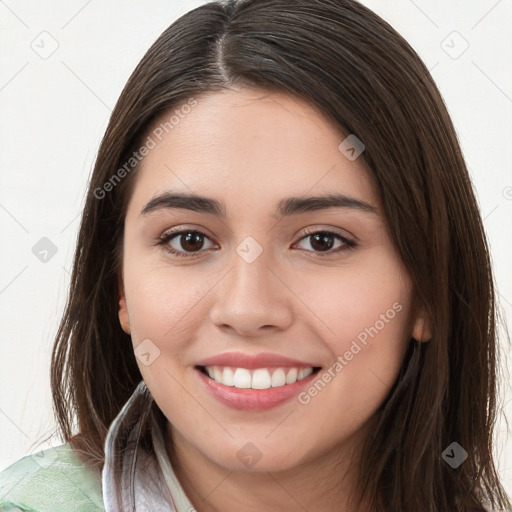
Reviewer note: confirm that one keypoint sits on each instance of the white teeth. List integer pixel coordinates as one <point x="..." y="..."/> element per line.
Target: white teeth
<point x="228" y="377"/>
<point x="260" y="378"/>
<point x="218" y="372"/>
<point x="278" y="378"/>
<point x="291" y="376"/>
<point x="304" y="372"/>
<point x="242" y="378"/>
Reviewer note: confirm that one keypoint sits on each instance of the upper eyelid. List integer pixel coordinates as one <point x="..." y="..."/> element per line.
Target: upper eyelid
<point x="171" y="234"/>
<point x="333" y="231"/>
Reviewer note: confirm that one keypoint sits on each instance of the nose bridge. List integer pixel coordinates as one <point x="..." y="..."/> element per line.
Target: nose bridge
<point x="251" y="279"/>
<point x="250" y="295"/>
<point x="249" y="263"/>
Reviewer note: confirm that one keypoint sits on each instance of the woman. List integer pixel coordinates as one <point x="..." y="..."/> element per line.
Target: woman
<point x="282" y="296"/>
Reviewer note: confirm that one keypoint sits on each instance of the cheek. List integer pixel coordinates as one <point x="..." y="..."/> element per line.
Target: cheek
<point x="348" y="302"/>
<point x="161" y="300"/>
<point x="164" y="306"/>
<point x="364" y="318"/>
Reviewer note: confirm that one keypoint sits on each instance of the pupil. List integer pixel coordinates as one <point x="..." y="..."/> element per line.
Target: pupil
<point x="323" y="238"/>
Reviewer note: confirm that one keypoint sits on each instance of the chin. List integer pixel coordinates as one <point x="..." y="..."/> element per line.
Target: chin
<point x="248" y="457"/>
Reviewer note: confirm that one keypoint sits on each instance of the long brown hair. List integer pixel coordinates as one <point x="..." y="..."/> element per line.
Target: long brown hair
<point x="348" y="62"/>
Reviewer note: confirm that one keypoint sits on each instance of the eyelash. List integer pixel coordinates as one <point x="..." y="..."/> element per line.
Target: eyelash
<point x="164" y="239"/>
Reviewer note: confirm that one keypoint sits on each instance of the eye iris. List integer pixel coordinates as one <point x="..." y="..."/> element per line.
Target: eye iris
<point x="193" y="241"/>
<point x="324" y="239"/>
<point x="188" y="240"/>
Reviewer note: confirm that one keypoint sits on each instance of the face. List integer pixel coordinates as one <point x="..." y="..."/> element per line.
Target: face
<point x="258" y="290"/>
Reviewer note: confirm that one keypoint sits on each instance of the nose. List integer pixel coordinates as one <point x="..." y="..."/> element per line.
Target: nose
<point x="252" y="298"/>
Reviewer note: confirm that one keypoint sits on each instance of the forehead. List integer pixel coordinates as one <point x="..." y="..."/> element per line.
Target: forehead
<point x="249" y="145"/>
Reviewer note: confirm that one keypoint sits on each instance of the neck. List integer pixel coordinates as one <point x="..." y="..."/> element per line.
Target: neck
<point x="325" y="484"/>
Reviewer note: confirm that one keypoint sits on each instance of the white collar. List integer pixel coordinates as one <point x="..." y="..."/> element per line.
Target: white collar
<point x="133" y="479"/>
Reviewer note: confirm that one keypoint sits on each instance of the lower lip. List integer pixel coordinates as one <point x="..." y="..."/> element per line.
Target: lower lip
<point x="248" y="399"/>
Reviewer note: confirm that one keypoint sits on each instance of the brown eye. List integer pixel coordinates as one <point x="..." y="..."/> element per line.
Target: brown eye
<point x="322" y="242"/>
<point x="184" y="243"/>
<point x="191" y="241"/>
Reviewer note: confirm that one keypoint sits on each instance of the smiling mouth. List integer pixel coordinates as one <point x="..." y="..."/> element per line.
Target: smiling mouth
<point x="258" y="378"/>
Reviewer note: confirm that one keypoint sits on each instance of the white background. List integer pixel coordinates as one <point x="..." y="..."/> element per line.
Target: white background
<point x="54" y="112"/>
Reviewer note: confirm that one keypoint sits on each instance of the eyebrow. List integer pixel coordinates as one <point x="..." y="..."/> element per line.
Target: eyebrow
<point x="285" y="207"/>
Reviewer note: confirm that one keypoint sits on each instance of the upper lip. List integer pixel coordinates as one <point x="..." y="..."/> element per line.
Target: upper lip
<point x="252" y="361"/>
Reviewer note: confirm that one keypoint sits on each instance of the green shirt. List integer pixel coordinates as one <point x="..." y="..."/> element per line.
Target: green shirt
<point x="57" y="480"/>
<point x="52" y="480"/>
